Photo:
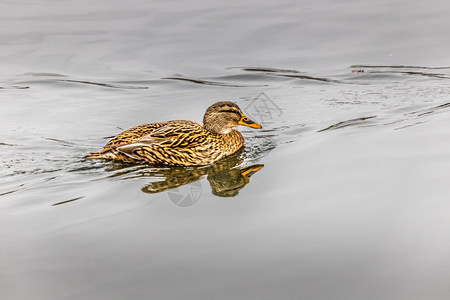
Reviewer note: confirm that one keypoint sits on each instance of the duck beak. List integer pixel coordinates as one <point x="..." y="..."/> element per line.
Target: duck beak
<point x="247" y="122"/>
<point x="247" y="172"/>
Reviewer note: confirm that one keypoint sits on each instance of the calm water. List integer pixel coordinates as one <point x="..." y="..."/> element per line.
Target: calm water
<point x="349" y="190"/>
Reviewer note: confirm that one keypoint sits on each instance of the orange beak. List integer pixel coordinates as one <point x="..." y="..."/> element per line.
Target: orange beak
<point x="247" y="122"/>
<point x="247" y="172"/>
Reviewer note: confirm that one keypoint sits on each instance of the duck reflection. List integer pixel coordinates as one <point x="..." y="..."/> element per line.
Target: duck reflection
<point x="226" y="177"/>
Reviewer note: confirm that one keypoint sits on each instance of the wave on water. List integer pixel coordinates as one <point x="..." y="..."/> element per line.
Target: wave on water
<point x="347" y="123"/>
<point x="433" y="72"/>
<point x="243" y="77"/>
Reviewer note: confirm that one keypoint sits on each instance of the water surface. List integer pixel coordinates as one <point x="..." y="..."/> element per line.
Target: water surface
<point x="342" y="195"/>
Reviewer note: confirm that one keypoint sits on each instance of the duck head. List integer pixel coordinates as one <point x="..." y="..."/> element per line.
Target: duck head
<point x="222" y="116"/>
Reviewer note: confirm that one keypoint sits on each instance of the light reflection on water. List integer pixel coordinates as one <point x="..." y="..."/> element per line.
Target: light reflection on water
<point x="348" y="194"/>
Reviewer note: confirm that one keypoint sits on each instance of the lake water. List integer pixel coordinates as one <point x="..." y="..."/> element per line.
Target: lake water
<point x="349" y="195"/>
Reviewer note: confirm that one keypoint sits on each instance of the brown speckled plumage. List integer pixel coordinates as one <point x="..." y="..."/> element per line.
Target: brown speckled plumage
<point x="180" y="142"/>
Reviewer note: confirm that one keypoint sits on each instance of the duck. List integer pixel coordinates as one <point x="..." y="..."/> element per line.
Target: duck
<point x="181" y="142"/>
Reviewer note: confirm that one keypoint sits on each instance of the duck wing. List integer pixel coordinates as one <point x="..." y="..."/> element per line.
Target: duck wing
<point x="133" y="134"/>
<point x="171" y="138"/>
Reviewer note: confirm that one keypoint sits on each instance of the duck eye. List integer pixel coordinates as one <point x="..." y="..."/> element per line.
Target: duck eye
<point x="245" y="119"/>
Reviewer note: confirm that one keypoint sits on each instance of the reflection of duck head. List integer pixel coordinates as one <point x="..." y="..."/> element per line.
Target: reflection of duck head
<point x="226" y="177"/>
<point x="228" y="183"/>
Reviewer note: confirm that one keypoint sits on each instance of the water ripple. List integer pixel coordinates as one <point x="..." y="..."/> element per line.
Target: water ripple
<point x="398" y="67"/>
<point x="286" y="73"/>
<point x="403" y="70"/>
<point x="67" y="201"/>
<point x="108" y="85"/>
<point x="265" y="70"/>
<point x="347" y="123"/>
<point x="431" y="110"/>
<point x="72" y="81"/>
<point x="14" y="87"/>
<point x="206" y="82"/>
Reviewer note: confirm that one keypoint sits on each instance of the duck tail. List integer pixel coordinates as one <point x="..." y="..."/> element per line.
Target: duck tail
<point x="102" y="154"/>
<point x="94" y="155"/>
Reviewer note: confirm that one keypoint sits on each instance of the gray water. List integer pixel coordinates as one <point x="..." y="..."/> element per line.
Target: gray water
<point x="350" y="195"/>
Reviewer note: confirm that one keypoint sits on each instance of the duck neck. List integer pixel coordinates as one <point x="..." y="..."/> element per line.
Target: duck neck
<point x="217" y="128"/>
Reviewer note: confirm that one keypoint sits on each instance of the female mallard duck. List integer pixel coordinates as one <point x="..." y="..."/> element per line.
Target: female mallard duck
<point x="181" y="143"/>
